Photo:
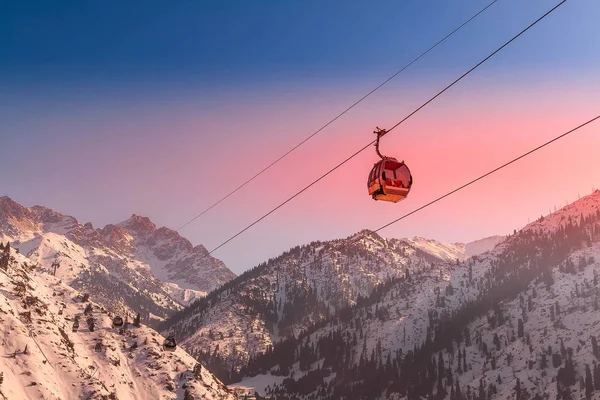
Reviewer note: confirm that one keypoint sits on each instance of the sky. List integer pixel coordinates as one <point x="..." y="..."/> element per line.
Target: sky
<point x="162" y="108"/>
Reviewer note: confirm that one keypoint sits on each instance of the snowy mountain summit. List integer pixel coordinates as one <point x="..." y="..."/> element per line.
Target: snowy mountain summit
<point x="153" y="270"/>
<point x="305" y="285"/>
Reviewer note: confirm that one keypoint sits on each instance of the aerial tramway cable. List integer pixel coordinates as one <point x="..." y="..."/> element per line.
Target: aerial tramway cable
<point x="506" y="164"/>
<point x="338" y="116"/>
<point x="388" y="130"/>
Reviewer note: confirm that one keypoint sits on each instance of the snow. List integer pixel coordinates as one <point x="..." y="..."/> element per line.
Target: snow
<point x="575" y="293"/>
<point x="257" y="384"/>
<point x="577" y="322"/>
<point x="354" y="269"/>
<point x="156" y="265"/>
<point x="183" y="296"/>
<point x="40" y="320"/>
<point x="482" y="245"/>
<point x="585" y="206"/>
<point x="447" y="252"/>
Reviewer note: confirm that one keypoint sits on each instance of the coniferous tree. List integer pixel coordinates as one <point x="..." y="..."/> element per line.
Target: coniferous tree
<point x="197" y="370"/>
<point x="5" y="257"/>
<point x="497" y="341"/>
<point x="556" y="360"/>
<point x="137" y="320"/>
<point x="440" y="392"/>
<point x="481" y="390"/>
<point x="597" y="376"/>
<point x="589" y="383"/>
<point x="568" y="375"/>
<point x="457" y="392"/>
<point x="470" y="273"/>
<point x="520" y="328"/>
<point x="449" y="378"/>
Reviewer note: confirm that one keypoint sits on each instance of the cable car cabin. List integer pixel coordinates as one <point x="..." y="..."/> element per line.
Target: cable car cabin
<point x="117" y="322"/>
<point x="170" y="344"/>
<point x="390" y="180"/>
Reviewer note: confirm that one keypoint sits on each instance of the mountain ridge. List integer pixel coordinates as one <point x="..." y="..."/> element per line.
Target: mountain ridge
<point x="503" y="315"/>
<point x="158" y="269"/>
<point x="323" y="276"/>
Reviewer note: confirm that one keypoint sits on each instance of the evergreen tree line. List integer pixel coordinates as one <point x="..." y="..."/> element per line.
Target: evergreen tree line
<point x="528" y="257"/>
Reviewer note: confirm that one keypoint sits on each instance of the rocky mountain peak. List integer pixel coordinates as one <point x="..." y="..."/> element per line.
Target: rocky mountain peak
<point x="10" y="208"/>
<point x="139" y="224"/>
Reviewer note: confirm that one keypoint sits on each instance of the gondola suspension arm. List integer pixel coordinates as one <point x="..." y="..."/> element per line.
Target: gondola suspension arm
<point x="379" y="132"/>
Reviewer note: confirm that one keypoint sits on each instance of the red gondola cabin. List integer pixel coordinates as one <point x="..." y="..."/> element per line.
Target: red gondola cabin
<point x="390" y="180"/>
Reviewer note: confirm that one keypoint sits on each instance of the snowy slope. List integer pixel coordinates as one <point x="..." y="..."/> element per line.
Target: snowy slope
<point x="583" y="207"/>
<point x="44" y="358"/>
<point x="482" y="245"/>
<point x="301" y="287"/>
<point x="446" y="252"/>
<point x="558" y="256"/>
<point x="576" y="322"/>
<point x="155" y="271"/>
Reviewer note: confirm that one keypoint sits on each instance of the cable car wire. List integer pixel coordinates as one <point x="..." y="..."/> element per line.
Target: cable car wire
<point x="393" y="127"/>
<point x="338" y="116"/>
<point x="416" y="210"/>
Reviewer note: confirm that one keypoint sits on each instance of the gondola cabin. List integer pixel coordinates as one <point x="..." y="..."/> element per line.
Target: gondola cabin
<point x="389" y="180"/>
<point x="170" y="344"/>
<point x="117" y="322"/>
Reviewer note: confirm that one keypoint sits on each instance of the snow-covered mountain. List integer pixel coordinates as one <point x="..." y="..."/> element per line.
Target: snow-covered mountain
<point x="132" y="265"/>
<point x="482" y="245"/>
<point x="301" y="287"/>
<point x="520" y="321"/>
<point x="45" y="357"/>
<point x="370" y="318"/>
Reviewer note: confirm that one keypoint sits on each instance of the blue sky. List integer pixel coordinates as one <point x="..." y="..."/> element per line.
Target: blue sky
<point x="114" y="108"/>
<point x="216" y="42"/>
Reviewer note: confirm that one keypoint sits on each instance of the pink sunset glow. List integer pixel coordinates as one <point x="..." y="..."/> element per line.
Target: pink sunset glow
<point x="170" y="160"/>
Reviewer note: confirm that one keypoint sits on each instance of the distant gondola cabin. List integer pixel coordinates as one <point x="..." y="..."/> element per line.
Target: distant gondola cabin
<point x="170" y="344"/>
<point x="117" y="322"/>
